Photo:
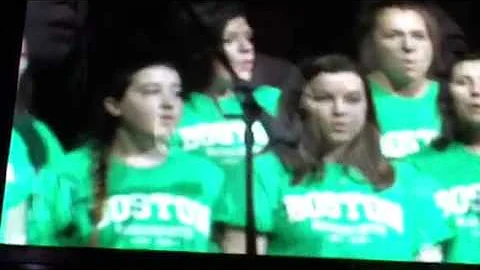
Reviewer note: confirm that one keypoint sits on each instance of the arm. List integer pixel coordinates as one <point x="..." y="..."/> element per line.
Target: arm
<point x="431" y="254"/>
<point x="51" y="209"/>
<point x="233" y="241"/>
<point x="15" y="225"/>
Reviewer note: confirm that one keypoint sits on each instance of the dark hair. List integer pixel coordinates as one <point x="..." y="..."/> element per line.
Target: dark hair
<point x="453" y="128"/>
<point x="363" y="152"/>
<point x="367" y="22"/>
<point x="198" y="28"/>
<point x="216" y="14"/>
<point x="103" y="131"/>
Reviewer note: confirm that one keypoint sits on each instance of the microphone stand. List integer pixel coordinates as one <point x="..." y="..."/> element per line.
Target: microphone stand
<point x="251" y="111"/>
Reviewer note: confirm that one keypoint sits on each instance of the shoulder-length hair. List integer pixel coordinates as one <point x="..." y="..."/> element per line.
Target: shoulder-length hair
<point x="454" y="129"/>
<point x="363" y="152"/>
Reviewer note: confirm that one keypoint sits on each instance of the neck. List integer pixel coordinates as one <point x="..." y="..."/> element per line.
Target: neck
<point x="217" y="94"/>
<point x="139" y="150"/>
<point x="313" y="150"/>
<point x="334" y="155"/>
<point x="407" y="89"/>
<point x="219" y="88"/>
<point x="474" y="141"/>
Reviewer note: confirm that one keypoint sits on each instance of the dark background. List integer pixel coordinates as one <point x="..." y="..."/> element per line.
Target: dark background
<point x="287" y="29"/>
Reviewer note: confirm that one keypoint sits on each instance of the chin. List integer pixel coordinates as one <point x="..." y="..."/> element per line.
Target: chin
<point x="341" y="139"/>
<point x="474" y="121"/>
<point x="246" y="76"/>
<point x="161" y="134"/>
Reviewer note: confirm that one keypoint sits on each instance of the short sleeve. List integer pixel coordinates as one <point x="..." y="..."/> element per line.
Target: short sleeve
<point x="269" y="98"/>
<point x="433" y="227"/>
<point x="54" y="148"/>
<point x="51" y="209"/>
<point x="231" y="210"/>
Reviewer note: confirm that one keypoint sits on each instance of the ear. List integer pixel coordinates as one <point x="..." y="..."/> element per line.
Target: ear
<point x="112" y="106"/>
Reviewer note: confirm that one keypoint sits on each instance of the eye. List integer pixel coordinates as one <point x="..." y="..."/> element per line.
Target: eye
<point x="150" y="91"/>
<point x="419" y="35"/>
<point x="321" y="98"/>
<point x="354" y="97"/>
<point x="229" y="38"/>
<point x="460" y="81"/>
<point x="318" y="97"/>
<point x="391" y="34"/>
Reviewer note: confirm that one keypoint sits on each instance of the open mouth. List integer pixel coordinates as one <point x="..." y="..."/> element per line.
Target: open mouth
<point x="246" y="65"/>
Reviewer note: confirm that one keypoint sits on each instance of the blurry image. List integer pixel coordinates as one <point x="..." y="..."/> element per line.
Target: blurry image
<point x="132" y="126"/>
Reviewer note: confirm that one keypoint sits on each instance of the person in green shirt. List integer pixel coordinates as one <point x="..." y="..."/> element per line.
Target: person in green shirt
<point x="20" y="176"/>
<point x="454" y="159"/>
<point x="43" y="145"/>
<point x="212" y="124"/>
<point x="399" y="48"/>
<point x="21" y="170"/>
<point x="127" y="188"/>
<point x="332" y="194"/>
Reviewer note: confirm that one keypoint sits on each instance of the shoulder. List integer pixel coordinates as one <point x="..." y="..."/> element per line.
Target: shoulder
<point x="434" y="86"/>
<point x="268" y="160"/>
<point x="74" y="164"/>
<point x="267" y="92"/>
<point x="17" y="144"/>
<point x="41" y="126"/>
<point x="72" y="171"/>
<point x="411" y="177"/>
<point x="429" y="157"/>
<point x="268" y="96"/>
<point x="270" y="171"/>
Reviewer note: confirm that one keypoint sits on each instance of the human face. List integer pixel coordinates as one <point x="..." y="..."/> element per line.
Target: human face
<point x="465" y="90"/>
<point x="335" y="106"/>
<point x="152" y="104"/>
<point x="403" y="46"/>
<point x="51" y="27"/>
<point x="238" y="47"/>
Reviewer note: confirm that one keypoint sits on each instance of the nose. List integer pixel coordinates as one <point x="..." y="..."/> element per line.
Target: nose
<point x="408" y="44"/>
<point x="338" y="108"/>
<point x="166" y="101"/>
<point x="245" y="45"/>
<point x="475" y="92"/>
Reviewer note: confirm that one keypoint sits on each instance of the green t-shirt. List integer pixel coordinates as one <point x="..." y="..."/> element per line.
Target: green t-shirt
<point x="53" y="147"/>
<point x="216" y="129"/>
<point x="167" y="207"/>
<point x="19" y="178"/>
<point x="43" y="145"/>
<point x="406" y="124"/>
<point x="339" y="215"/>
<point x="457" y="170"/>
